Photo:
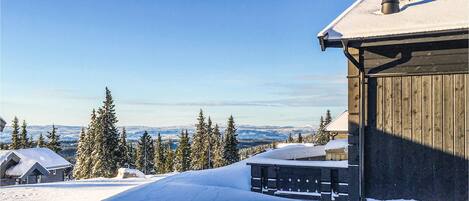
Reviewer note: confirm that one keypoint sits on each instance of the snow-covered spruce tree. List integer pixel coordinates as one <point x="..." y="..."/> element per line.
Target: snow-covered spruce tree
<point x="300" y="138"/>
<point x="159" y="156"/>
<point x="53" y="140"/>
<point x="328" y="118"/>
<point x="79" y="170"/>
<point x="169" y="158"/>
<point x="24" y="140"/>
<point x="230" y="152"/>
<point x="145" y="154"/>
<point x="182" y="160"/>
<point x="321" y="135"/>
<point x="124" y="156"/>
<point x="15" y="140"/>
<point x="132" y="155"/>
<point x="106" y="140"/>
<point x="218" y="160"/>
<point x="198" y="150"/>
<point x="209" y="144"/>
<point x="290" y="138"/>
<point x="40" y="141"/>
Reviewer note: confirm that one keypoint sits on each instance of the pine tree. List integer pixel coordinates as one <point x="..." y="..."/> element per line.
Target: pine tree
<point x="106" y="141"/>
<point x="24" y="140"/>
<point x="159" y="156"/>
<point x="321" y="136"/>
<point x="182" y="161"/>
<point x="145" y="151"/>
<point x="290" y="138"/>
<point x="328" y="118"/>
<point x="124" y="156"/>
<point x="53" y="140"/>
<point x="40" y="141"/>
<point x="80" y="169"/>
<point x="300" y="138"/>
<point x="198" y="153"/>
<point x="230" y="152"/>
<point x="15" y="140"/>
<point x="218" y="160"/>
<point x="169" y="158"/>
<point x="90" y="146"/>
<point x="132" y="155"/>
<point x="31" y="143"/>
<point x="209" y="144"/>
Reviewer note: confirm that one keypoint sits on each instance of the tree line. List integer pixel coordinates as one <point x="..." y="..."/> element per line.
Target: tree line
<point x="102" y="149"/>
<point x="20" y="139"/>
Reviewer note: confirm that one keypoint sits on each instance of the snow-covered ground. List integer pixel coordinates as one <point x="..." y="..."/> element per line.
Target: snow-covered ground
<point x="82" y="190"/>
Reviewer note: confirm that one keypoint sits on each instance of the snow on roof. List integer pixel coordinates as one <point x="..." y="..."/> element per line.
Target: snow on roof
<point x="26" y="167"/>
<point x="46" y="157"/>
<point x="337" y="144"/>
<point x="339" y="124"/>
<point x="364" y="19"/>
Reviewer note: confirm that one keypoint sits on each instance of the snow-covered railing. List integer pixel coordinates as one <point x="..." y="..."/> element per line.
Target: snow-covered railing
<point x="276" y="174"/>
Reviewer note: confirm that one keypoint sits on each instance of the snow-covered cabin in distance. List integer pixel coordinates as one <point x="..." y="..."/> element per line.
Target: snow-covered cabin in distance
<point x="33" y="165"/>
<point x="336" y="149"/>
<point x="408" y="81"/>
<point x="339" y="126"/>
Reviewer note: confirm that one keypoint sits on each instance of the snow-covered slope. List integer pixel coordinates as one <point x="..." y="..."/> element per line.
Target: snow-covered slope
<point x="82" y="190"/>
<point x="230" y="183"/>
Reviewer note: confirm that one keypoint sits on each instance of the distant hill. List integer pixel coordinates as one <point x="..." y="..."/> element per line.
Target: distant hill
<point x="245" y="132"/>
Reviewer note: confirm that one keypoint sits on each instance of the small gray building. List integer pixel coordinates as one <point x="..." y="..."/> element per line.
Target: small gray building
<point x="34" y="165"/>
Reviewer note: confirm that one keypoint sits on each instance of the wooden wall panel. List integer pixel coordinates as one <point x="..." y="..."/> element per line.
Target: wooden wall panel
<point x="419" y="136"/>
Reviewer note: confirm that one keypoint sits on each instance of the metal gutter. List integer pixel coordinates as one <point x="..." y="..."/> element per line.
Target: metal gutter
<point x="361" y="123"/>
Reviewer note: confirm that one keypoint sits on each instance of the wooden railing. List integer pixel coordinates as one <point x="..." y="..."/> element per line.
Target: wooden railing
<point x="300" y="182"/>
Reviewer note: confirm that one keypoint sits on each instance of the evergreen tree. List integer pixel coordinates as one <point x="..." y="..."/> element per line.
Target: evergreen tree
<point x="15" y="140"/>
<point x="290" y="138"/>
<point x="169" y="158"/>
<point x="53" y="140"/>
<point x="90" y="146"/>
<point x="230" y="152"/>
<point x="106" y="150"/>
<point x="124" y="156"/>
<point x="182" y="161"/>
<point x="209" y="144"/>
<point x="80" y="170"/>
<point x="198" y="151"/>
<point x="132" y="155"/>
<point x="145" y="151"/>
<point x="218" y="160"/>
<point x="40" y="141"/>
<point x="159" y="156"/>
<point x="321" y="136"/>
<point x="328" y="118"/>
<point x="300" y="138"/>
<point x="24" y="140"/>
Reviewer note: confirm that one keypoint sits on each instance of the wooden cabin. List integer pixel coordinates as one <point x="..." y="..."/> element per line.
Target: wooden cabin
<point x="336" y="149"/>
<point x="30" y="166"/>
<point x="408" y="97"/>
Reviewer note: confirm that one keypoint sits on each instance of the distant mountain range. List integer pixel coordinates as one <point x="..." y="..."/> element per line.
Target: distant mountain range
<point x="245" y="132"/>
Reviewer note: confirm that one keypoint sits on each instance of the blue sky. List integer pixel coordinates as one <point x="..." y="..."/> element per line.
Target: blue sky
<point x="163" y="60"/>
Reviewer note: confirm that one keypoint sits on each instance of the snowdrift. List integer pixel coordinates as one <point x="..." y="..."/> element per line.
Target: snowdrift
<point x="230" y="183"/>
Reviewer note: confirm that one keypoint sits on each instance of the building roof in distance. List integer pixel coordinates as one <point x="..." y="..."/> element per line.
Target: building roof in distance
<point x="339" y="124"/>
<point x="364" y="20"/>
<point x="46" y="157"/>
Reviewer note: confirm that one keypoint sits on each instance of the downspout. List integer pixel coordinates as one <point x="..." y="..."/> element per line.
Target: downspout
<point x="361" y="123"/>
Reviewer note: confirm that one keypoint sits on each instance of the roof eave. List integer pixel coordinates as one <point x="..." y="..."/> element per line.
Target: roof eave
<point x="440" y="35"/>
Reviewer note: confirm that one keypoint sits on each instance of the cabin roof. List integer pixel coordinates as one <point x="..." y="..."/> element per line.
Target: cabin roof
<point x="364" y="20"/>
<point x="46" y="157"/>
<point x="339" y="124"/>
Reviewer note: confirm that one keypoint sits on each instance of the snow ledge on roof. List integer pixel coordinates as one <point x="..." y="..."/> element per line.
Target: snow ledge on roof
<point x="364" y="19"/>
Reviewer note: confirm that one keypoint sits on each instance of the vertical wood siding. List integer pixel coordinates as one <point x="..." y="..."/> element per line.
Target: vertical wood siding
<point x="417" y="137"/>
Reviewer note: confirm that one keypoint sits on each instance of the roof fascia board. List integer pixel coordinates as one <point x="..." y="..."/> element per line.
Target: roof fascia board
<point x="447" y="35"/>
